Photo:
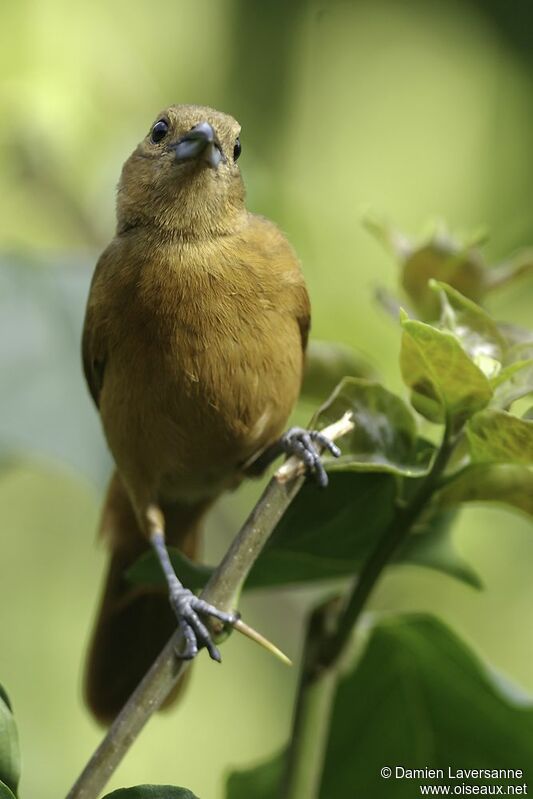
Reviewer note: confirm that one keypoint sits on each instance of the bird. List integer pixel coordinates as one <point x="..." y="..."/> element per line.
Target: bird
<point x="193" y="349"/>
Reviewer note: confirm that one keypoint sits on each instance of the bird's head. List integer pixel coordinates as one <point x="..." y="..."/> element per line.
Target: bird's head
<point x="184" y="175"/>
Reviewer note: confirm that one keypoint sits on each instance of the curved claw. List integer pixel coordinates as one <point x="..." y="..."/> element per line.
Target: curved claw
<point x="187" y="608"/>
<point x="191" y="644"/>
<point x="327" y="443"/>
<point x="301" y="443"/>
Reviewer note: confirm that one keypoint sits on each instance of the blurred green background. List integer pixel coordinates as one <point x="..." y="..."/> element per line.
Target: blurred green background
<point x="419" y="110"/>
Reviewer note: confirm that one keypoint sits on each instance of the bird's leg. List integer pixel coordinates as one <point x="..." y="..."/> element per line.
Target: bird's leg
<point x="187" y="606"/>
<point x="302" y="443"/>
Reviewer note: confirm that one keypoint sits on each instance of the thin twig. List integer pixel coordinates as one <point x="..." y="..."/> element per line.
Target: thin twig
<point x="224" y="585"/>
<point x="253" y="635"/>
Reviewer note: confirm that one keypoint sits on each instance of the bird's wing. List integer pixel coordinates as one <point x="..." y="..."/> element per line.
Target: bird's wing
<point x="94" y="343"/>
<point x="282" y="266"/>
<point x="93" y="363"/>
<point x="303" y="313"/>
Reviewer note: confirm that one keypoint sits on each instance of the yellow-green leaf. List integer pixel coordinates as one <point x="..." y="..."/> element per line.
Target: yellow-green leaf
<point x="496" y="436"/>
<point x="9" y="745"/>
<point x="443" y="380"/>
<point x="5" y="792"/>
<point x="441" y="259"/>
<point x="384" y="437"/>
<point x="487" y="482"/>
<point x="475" y="329"/>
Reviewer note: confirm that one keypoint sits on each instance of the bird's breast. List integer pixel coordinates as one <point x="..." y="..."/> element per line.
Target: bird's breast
<point x="221" y="370"/>
<point x="237" y="359"/>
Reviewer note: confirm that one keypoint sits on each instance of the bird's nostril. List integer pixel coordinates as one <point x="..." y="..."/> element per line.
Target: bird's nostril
<point x="202" y="130"/>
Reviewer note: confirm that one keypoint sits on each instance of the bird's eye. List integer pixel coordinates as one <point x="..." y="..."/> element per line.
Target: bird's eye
<point x="159" y="131"/>
<point x="237" y="149"/>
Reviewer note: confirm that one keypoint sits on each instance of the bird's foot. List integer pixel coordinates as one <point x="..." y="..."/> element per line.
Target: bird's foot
<point x="189" y="609"/>
<point x="302" y="443"/>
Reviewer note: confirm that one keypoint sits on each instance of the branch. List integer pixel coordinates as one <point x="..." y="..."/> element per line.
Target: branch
<point x="385" y="549"/>
<point x="311" y="722"/>
<point x="329" y="632"/>
<point x="221" y="590"/>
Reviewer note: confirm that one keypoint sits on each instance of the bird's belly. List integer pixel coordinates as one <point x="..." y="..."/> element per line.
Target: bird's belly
<point x="223" y="398"/>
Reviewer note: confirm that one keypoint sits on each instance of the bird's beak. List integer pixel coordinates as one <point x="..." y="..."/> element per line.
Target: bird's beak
<point x="200" y="142"/>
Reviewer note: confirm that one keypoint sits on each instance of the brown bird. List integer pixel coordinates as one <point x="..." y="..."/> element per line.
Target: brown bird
<point x="193" y="348"/>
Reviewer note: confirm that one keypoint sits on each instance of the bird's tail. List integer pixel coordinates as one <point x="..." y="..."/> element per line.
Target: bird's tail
<point x="133" y="623"/>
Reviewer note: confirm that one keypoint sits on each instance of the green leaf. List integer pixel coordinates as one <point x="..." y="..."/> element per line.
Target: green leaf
<point x="5" y="697"/>
<point x="444" y="260"/>
<point x="442" y="378"/>
<point x="326" y="363"/>
<point x="9" y="745"/>
<point x="384" y="438"/>
<point x="418" y="697"/>
<point x="151" y="792"/>
<point x="323" y="534"/>
<point x="500" y="483"/>
<point x="496" y="436"/>
<point x="516" y="379"/>
<point x="322" y="529"/>
<point x="5" y="792"/>
<point x="504" y="356"/>
<point x="423" y="699"/>
<point x="509" y="374"/>
<point x="438" y="257"/>
<point x="478" y="333"/>
<point x="431" y="545"/>
<point x="327" y="534"/>
<point x="516" y="382"/>
<point x="261" y="782"/>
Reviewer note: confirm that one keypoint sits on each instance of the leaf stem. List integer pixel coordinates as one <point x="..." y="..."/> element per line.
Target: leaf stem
<point x="329" y="631"/>
<point x="307" y="747"/>
<point x="386" y="547"/>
